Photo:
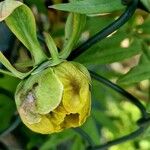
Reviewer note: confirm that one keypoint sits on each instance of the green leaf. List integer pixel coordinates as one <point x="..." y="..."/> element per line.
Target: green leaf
<point x="48" y="90"/>
<point x="144" y="27"/>
<point x="39" y="4"/>
<point x="7" y="109"/>
<point x="91" y="129"/>
<point x="110" y="50"/>
<point x="22" y="23"/>
<point x="139" y="72"/>
<point x="7" y="7"/>
<point x="136" y="74"/>
<point x="51" y="46"/>
<point x="57" y="139"/>
<point x="9" y="83"/>
<point x="53" y="96"/>
<point x="7" y="73"/>
<point x="104" y="120"/>
<point x="78" y="144"/>
<point x="90" y="6"/>
<point x="7" y="64"/>
<point x="146" y="3"/>
<point x="73" y="29"/>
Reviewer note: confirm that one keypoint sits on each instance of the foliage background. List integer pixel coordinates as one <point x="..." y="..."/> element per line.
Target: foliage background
<point x="123" y="57"/>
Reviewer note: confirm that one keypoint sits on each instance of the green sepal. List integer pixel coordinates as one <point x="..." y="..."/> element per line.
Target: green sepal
<point x="21" y="22"/>
<point x="42" y="93"/>
<point x="146" y="3"/>
<point x="8" y="65"/>
<point x="49" y="63"/>
<point x="51" y="46"/>
<point x="74" y="27"/>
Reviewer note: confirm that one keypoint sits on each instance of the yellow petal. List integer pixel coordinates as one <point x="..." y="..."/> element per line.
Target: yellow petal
<point x="71" y="120"/>
<point x="57" y="116"/>
<point x="44" y="126"/>
<point x="85" y="112"/>
<point x="76" y="86"/>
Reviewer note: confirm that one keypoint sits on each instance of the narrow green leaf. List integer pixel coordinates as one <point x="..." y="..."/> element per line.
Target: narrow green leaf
<point x="56" y="139"/>
<point x="90" y="6"/>
<point x="7" y="110"/>
<point x="74" y="27"/>
<point x="145" y="57"/>
<point x="7" y="7"/>
<point x="7" y="64"/>
<point x="104" y="120"/>
<point x="22" y="24"/>
<point x="7" y="73"/>
<point x="139" y="72"/>
<point x="78" y="144"/>
<point x="9" y="83"/>
<point x="136" y="74"/>
<point x="146" y="3"/>
<point x="91" y="129"/>
<point x="51" y="46"/>
<point x="111" y="50"/>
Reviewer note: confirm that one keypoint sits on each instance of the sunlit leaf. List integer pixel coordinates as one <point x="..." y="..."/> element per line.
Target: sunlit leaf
<point x="22" y="24"/>
<point x="7" y="7"/>
<point x="90" y="6"/>
<point x="73" y="29"/>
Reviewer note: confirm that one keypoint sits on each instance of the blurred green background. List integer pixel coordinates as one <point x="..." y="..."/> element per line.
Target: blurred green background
<point x="123" y="57"/>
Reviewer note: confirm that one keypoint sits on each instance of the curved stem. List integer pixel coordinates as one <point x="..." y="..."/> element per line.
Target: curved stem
<point x="120" y="90"/>
<point x="120" y="140"/>
<point x="106" y="31"/>
<point x="85" y="136"/>
<point x="143" y="122"/>
<point x="11" y="128"/>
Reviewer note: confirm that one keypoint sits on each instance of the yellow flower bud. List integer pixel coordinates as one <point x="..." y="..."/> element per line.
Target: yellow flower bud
<point x="54" y="99"/>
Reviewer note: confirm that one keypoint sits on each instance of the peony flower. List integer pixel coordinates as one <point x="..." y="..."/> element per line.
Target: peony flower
<point x="55" y="99"/>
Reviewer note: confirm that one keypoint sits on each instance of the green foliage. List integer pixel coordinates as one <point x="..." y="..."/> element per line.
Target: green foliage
<point x="7" y="7"/>
<point x="73" y="29"/>
<point x="22" y="24"/>
<point x="146" y="3"/>
<point x="110" y="49"/>
<point x="7" y="107"/>
<point x="90" y="7"/>
<point x="112" y="116"/>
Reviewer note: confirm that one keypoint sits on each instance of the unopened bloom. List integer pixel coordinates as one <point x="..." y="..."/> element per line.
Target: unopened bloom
<point x="54" y="99"/>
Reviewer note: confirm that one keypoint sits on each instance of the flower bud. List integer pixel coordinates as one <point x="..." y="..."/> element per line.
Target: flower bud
<point x="54" y="99"/>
